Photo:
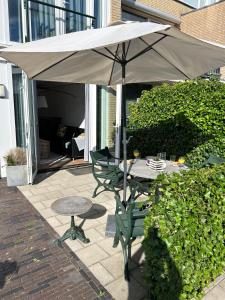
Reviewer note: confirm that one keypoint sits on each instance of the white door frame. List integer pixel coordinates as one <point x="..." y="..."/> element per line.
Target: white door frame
<point x="31" y="145"/>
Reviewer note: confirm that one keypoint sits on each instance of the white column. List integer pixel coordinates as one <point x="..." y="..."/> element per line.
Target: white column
<point x="118" y="119"/>
<point x="90" y="119"/>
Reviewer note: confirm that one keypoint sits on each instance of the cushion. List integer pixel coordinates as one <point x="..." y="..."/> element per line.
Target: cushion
<point x="61" y="130"/>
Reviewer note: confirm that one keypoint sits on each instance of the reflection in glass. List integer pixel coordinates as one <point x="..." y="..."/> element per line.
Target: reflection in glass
<point x="42" y="20"/>
<point x="15" y="20"/>
<point x="76" y="22"/>
<point x="18" y="107"/>
<point x="98" y="11"/>
<point x="106" y="117"/>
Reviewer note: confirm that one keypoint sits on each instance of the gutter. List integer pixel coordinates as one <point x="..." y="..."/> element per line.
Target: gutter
<point x="151" y="11"/>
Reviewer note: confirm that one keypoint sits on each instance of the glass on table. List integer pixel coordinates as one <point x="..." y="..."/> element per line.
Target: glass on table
<point x="161" y="155"/>
<point x="172" y="157"/>
<point x="136" y="153"/>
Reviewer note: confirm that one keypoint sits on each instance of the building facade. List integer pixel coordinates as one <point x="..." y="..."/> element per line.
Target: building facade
<point x="22" y="115"/>
<point x="29" y="108"/>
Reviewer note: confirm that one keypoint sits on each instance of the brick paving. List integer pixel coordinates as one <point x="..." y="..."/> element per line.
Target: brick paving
<point x="31" y="267"/>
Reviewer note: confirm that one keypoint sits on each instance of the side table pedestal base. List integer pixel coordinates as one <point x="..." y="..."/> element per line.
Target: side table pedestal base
<point x="73" y="233"/>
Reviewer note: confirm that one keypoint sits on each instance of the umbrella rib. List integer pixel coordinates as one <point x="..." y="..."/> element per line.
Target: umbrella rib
<point x="107" y="56"/>
<point x="140" y="38"/>
<point x="164" y="58"/>
<point x="113" y="65"/>
<point x="114" y="55"/>
<point x="178" y="69"/>
<point x="128" y="46"/>
<point x="58" y="62"/>
<point x="148" y="48"/>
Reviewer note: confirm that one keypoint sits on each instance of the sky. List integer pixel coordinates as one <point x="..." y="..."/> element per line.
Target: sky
<point x="191" y="2"/>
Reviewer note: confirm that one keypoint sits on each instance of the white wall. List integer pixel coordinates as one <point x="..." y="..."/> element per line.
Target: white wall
<point x="66" y="102"/>
<point x="7" y="123"/>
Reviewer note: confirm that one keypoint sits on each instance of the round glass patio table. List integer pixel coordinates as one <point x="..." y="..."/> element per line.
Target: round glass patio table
<point x="140" y="169"/>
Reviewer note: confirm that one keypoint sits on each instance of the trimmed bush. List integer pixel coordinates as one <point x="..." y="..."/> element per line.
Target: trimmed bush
<point x="185" y="119"/>
<point x="185" y="234"/>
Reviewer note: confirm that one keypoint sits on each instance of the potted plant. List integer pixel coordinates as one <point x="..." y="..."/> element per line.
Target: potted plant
<point x="16" y="167"/>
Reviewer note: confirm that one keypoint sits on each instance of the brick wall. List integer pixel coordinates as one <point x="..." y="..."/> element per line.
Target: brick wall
<point x="208" y="24"/>
<point x="115" y="10"/>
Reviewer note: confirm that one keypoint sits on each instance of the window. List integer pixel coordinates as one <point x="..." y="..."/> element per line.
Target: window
<point x="202" y="3"/>
<point x="98" y="13"/>
<point x="76" y="22"/>
<point x="128" y="16"/>
<point x="42" y="19"/>
<point x="15" y="20"/>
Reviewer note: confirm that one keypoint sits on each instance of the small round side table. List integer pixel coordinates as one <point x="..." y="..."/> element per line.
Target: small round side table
<point x="72" y="206"/>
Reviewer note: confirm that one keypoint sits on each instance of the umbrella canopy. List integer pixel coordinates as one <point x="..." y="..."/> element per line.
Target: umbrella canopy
<point x="150" y="52"/>
<point x="125" y="53"/>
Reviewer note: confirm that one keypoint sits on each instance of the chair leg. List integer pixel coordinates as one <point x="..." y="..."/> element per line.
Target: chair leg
<point x="116" y="239"/>
<point x="126" y="267"/>
<point x="95" y="191"/>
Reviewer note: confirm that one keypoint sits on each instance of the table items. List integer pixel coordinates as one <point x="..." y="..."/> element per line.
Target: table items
<point x="173" y="157"/>
<point x="156" y="164"/>
<point x="161" y="155"/>
<point x="140" y="169"/>
<point x="72" y="206"/>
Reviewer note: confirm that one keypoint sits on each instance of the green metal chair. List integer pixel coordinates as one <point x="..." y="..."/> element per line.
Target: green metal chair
<point x="106" y="173"/>
<point x="213" y="160"/>
<point x="129" y="220"/>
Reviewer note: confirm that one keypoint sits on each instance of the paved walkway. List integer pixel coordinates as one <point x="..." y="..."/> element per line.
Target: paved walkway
<point x="31" y="267"/>
<point x="105" y="262"/>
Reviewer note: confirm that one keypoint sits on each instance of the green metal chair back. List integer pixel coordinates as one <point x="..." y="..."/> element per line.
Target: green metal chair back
<point x="106" y="175"/>
<point x="100" y="156"/>
<point x="213" y="160"/>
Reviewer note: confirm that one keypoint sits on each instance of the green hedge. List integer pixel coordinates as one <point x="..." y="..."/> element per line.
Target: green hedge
<point x="185" y="234"/>
<point x="185" y="119"/>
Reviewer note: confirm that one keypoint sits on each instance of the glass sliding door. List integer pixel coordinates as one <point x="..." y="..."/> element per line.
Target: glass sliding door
<point x="19" y="107"/>
<point x="25" y="119"/>
<point x="106" y="117"/>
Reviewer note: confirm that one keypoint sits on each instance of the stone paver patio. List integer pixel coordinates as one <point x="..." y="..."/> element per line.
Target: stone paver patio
<point x="105" y="262"/>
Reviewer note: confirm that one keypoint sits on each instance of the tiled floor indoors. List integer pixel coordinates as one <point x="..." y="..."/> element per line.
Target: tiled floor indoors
<point x="104" y="261"/>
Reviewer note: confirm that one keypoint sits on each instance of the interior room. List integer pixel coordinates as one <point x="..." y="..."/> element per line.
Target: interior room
<point x="61" y="122"/>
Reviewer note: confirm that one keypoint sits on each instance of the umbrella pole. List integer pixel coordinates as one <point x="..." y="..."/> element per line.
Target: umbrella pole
<point x="124" y="139"/>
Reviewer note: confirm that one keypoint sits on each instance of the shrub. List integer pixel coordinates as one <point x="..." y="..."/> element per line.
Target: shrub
<point x="15" y="157"/>
<point x="185" y="119"/>
<point x="185" y="234"/>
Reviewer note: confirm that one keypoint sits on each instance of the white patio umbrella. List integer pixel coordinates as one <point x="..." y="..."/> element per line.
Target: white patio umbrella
<point x="120" y="54"/>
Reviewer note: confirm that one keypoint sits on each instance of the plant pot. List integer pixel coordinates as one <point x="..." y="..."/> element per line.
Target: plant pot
<point x="16" y="175"/>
